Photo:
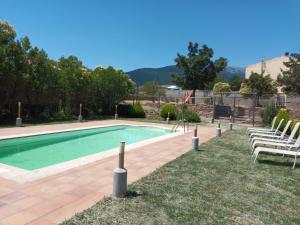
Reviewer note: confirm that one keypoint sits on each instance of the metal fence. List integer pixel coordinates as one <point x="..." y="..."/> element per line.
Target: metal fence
<point x="231" y="105"/>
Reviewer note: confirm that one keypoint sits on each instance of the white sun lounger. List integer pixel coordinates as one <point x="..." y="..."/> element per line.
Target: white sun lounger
<point x="273" y="137"/>
<point x="253" y="129"/>
<point x="272" y="142"/>
<point x="290" y="150"/>
<point x="261" y="134"/>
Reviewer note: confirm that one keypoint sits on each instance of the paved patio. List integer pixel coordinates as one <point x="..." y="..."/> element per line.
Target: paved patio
<point x="53" y="199"/>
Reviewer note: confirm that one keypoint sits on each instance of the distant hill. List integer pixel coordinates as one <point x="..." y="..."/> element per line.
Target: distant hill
<point x="163" y="74"/>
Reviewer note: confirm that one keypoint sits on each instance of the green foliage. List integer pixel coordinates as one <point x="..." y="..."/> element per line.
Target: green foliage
<point x="235" y="82"/>
<point x="283" y="114"/>
<point x="258" y="84"/>
<point x="153" y="89"/>
<point x="197" y="67"/>
<point x="269" y="113"/>
<point x="138" y="110"/>
<point x="189" y="116"/>
<point x="290" y="78"/>
<point x="60" y="115"/>
<point x="168" y="108"/>
<point x="125" y="110"/>
<point x="221" y="87"/>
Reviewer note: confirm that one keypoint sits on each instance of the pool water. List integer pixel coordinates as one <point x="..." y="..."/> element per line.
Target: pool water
<point x="34" y="152"/>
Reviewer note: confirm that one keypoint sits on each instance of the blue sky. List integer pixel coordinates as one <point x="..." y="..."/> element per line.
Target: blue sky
<point x="130" y="34"/>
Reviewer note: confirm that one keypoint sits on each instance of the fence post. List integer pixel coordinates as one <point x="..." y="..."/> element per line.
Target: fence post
<point x="253" y="111"/>
<point x="214" y="109"/>
<point x="233" y="114"/>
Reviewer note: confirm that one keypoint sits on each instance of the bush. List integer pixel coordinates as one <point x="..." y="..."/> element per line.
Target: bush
<point x="190" y="116"/>
<point x="168" y="108"/>
<point x="269" y="113"/>
<point x="283" y="114"/>
<point x="60" y="115"/>
<point x="125" y="110"/>
<point x="138" y="110"/>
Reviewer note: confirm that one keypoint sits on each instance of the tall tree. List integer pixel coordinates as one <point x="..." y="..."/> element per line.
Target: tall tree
<point x="153" y="89"/>
<point x="290" y="78"/>
<point x="258" y="85"/>
<point x="198" y="68"/>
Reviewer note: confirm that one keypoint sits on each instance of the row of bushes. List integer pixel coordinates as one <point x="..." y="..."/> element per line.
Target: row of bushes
<point x="133" y="111"/>
<point x="271" y="111"/>
<point x="136" y="111"/>
<point x="186" y="114"/>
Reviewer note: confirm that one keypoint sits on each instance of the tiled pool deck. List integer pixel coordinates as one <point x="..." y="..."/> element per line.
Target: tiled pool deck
<point x="52" y="199"/>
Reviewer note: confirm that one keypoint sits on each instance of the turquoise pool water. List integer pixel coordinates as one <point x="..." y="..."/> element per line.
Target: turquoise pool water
<point x="39" y="151"/>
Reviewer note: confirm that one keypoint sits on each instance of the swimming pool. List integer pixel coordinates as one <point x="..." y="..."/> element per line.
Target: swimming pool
<point x="35" y="152"/>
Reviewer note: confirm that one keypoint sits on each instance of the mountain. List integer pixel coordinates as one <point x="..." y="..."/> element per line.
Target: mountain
<point x="163" y="74"/>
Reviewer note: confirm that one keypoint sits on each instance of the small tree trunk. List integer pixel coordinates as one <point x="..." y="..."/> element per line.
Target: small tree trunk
<point x="193" y="96"/>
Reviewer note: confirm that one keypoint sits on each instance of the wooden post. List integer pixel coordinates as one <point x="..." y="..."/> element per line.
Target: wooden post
<point x="121" y="155"/>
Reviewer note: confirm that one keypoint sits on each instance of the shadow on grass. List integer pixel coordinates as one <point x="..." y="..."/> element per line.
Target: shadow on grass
<point x="277" y="163"/>
<point x="132" y="194"/>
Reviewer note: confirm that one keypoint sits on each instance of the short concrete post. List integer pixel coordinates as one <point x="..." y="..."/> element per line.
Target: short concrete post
<point x="168" y="118"/>
<point x="195" y="141"/>
<point x="19" y="119"/>
<point x="218" y="132"/>
<point x="120" y="175"/>
<point x="116" y="112"/>
<point x="80" y="113"/>
<point x="230" y="126"/>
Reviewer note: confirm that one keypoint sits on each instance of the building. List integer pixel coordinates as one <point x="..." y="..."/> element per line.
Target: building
<point x="272" y="67"/>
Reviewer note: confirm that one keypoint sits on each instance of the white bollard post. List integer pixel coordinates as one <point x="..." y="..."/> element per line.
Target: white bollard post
<point x="19" y="119"/>
<point x="195" y="141"/>
<point x="116" y="112"/>
<point x="80" y="113"/>
<point x="120" y="175"/>
<point x="168" y="118"/>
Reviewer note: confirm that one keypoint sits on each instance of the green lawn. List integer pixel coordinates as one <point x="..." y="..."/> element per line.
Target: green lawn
<point x="219" y="184"/>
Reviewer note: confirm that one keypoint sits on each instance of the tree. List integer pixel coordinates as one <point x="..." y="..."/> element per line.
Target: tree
<point x="111" y="86"/>
<point x="235" y="82"/>
<point x="198" y="68"/>
<point x="220" y="88"/>
<point x="258" y="85"/>
<point x="153" y="89"/>
<point x="290" y="78"/>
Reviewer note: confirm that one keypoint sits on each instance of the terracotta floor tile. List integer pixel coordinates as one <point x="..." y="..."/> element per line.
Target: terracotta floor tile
<point x="12" y="197"/>
<point x="7" y="210"/>
<point x="27" y="202"/>
<point x="20" y="218"/>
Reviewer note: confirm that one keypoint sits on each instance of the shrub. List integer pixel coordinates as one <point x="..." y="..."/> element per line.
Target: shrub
<point x="138" y="110"/>
<point x="168" y="108"/>
<point x="283" y="114"/>
<point x="191" y="116"/>
<point x="221" y="87"/>
<point x="125" y="110"/>
<point x="269" y="113"/>
<point x="60" y="115"/>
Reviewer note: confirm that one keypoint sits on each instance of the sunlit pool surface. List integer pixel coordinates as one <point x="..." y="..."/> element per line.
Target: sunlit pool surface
<point x="35" y="152"/>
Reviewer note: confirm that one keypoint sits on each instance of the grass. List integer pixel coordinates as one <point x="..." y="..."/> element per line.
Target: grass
<point x="219" y="184"/>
